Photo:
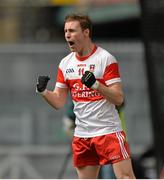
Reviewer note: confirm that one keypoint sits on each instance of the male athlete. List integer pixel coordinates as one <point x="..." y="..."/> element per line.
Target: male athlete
<point x="92" y="76"/>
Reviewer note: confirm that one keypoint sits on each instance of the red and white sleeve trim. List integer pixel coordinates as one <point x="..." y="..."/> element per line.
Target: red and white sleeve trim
<point x="61" y="85"/>
<point x="111" y="81"/>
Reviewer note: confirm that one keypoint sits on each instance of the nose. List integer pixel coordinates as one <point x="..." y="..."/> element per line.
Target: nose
<point x="67" y="35"/>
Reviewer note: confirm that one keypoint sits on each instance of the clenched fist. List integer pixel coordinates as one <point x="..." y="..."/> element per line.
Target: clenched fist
<point x="89" y="80"/>
<point x="42" y="83"/>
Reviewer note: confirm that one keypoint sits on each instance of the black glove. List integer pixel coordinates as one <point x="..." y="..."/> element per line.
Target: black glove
<point x="42" y="83"/>
<point x="88" y="79"/>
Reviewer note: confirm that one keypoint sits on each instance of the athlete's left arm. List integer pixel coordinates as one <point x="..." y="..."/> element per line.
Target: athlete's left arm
<point x="113" y="93"/>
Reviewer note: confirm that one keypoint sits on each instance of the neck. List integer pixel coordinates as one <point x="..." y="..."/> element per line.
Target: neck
<point x="88" y="54"/>
<point x="86" y="50"/>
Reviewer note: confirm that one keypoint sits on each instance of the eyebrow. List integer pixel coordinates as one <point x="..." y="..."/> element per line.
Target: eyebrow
<point x="69" y="29"/>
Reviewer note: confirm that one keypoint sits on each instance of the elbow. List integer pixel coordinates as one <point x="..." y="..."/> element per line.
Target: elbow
<point x="58" y="107"/>
<point x="119" y="101"/>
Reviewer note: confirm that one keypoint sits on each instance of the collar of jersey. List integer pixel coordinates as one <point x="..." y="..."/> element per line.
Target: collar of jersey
<point x="82" y="58"/>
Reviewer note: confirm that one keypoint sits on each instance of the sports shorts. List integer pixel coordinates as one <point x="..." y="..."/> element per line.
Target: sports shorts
<point x="100" y="150"/>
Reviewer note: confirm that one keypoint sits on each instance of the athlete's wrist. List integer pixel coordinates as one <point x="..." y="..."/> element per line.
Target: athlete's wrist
<point x="95" y="85"/>
<point x="43" y="93"/>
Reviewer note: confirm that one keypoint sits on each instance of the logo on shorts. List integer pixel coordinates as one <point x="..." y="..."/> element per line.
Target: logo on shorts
<point x="115" y="157"/>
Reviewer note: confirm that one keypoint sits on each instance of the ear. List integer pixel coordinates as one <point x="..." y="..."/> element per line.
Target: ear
<point x="86" y="32"/>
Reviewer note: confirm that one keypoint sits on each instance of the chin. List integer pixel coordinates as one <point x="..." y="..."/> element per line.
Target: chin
<point x="72" y="50"/>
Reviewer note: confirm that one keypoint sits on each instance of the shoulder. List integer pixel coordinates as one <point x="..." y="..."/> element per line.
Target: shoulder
<point x="106" y="55"/>
<point x="66" y="59"/>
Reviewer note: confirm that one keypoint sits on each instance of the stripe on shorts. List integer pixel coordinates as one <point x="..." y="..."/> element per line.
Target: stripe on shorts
<point x="121" y="142"/>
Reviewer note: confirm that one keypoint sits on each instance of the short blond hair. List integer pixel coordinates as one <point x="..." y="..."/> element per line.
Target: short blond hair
<point x="84" y="20"/>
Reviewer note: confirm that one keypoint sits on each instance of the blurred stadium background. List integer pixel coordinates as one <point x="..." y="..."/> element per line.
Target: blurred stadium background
<point x="33" y="143"/>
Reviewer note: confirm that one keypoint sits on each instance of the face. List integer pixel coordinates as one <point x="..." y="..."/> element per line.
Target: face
<point x="75" y="36"/>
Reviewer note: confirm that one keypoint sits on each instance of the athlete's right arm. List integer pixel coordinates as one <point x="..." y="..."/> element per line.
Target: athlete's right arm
<point x="56" y="98"/>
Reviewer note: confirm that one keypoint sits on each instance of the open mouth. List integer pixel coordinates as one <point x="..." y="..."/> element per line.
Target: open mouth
<point x="71" y="43"/>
